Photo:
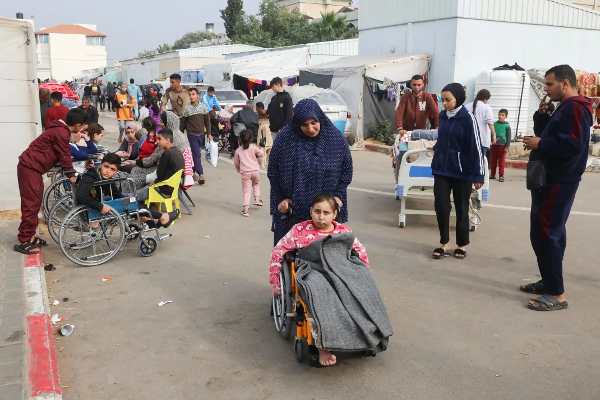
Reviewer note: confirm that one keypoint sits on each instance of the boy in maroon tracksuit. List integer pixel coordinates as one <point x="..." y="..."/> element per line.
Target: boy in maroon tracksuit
<point x="51" y="147"/>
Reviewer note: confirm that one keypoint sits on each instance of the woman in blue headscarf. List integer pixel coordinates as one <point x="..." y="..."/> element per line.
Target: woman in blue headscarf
<point x="309" y="156"/>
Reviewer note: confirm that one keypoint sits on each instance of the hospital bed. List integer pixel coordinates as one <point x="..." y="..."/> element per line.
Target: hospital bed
<point x="415" y="179"/>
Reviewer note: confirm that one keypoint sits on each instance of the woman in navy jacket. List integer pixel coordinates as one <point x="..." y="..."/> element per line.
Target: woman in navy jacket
<point x="457" y="164"/>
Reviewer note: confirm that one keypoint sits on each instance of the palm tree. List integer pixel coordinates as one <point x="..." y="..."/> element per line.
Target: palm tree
<point x="333" y="27"/>
<point x="163" y="48"/>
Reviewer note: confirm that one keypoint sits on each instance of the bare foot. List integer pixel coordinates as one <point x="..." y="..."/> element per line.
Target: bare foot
<point x="326" y="358"/>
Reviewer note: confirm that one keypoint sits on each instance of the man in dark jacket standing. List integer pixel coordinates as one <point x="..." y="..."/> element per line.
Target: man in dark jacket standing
<point x="51" y="147"/>
<point x="248" y="117"/>
<point x="561" y="142"/>
<point x="281" y="108"/>
<point x="45" y="104"/>
<point x="110" y="95"/>
<point x="90" y="110"/>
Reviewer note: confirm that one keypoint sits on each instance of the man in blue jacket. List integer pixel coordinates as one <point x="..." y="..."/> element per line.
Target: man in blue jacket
<point x="562" y="143"/>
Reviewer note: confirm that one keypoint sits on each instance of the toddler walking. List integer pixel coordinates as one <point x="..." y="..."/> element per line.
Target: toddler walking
<point x="246" y="161"/>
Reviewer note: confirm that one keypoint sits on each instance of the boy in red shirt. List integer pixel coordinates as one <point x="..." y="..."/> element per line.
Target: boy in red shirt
<point x="51" y="147"/>
<point x="57" y="111"/>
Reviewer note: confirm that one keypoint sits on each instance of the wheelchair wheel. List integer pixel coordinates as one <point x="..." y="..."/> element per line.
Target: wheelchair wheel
<point x="56" y="191"/>
<point x="133" y="232"/>
<point x="282" y="304"/>
<point x="57" y="215"/>
<point x="299" y="349"/>
<point x="94" y="242"/>
<point x="148" y="246"/>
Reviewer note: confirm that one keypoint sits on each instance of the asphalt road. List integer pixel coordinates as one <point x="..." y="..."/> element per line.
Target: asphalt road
<point x="461" y="328"/>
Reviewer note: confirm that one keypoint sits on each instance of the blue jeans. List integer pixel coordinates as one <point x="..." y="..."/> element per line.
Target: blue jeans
<point x="136" y="112"/>
<point x="196" y="143"/>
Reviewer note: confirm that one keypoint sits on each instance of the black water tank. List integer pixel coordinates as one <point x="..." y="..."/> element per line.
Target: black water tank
<point x="19" y="15"/>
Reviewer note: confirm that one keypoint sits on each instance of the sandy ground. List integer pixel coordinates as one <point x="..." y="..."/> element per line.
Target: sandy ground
<point x="461" y="328"/>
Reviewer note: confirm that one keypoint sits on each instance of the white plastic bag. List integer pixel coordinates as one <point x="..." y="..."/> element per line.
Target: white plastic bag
<point x="212" y="152"/>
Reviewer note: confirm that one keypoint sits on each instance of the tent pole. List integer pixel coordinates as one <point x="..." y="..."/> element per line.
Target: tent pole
<point x="359" y="121"/>
<point x="520" y="102"/>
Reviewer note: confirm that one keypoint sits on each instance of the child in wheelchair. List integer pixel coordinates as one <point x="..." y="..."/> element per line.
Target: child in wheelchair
<point x="90" y="195"/>
<point x="323" y="213"/>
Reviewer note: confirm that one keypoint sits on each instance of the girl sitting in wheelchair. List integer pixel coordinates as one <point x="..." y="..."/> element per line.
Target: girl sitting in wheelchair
<point x="90" y="195"/>
<point x="323" y="213"/>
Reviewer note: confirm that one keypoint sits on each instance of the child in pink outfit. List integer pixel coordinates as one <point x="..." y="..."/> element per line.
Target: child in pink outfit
<point x="301" y="235"/>
<point x="246" y="161"/>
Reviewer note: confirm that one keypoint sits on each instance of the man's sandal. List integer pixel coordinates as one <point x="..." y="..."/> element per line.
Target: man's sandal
<point x="26" y="248"/>
<point x="533" y="288"/>
<point x="501" y="179"/>
<point x="548" y="303"/>
<point x="39" y="242"/>
<point x="440" y="253"/>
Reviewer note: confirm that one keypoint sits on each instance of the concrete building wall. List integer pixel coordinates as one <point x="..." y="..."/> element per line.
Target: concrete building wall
<point x="438" y="38"/>
<point x="314" y="8"/>
<point x="69" y="55"/>
<point x="483" y="45"/>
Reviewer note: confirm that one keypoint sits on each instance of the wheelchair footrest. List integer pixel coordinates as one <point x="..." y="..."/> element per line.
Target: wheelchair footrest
<point x="164" y="236"/>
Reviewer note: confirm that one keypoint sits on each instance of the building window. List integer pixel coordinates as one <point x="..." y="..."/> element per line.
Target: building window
<point x="94" y="41"/>
<point x="43" y="39"/>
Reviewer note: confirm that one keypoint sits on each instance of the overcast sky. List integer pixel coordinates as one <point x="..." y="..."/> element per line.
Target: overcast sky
<point x="131" y="26"/>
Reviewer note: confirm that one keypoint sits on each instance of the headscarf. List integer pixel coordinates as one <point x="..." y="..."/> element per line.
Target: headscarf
<point x="130" y="142"/>
<point x="126" y="92"/>
<point x="179" y="139"/>
<point x="300" y="167"/>
<point x="458" y="91"/>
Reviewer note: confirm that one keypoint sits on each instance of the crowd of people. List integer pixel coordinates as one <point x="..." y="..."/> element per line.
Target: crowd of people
<point x="310" y="165"/>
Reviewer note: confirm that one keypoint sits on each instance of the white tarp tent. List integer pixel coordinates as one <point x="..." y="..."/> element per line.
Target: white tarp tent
<point x="347" y="77"/>
<point x="19" y="107"/>
<point x="263" y="66"/>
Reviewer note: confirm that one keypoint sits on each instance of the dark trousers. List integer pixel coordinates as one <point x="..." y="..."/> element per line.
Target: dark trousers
<point x="31" y="188"/>
<point x="196" y="143"/>
<point x="461" y="191"/>
<point x="110" y="103"/>
<point x="102" y="101"/>
<point x="550" y="208"/>
<point x="234" y="142"/>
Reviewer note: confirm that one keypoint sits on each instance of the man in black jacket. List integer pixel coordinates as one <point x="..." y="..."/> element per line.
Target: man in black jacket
<point x="281" y="107"/>
<point x="90" y="110"/>
<point x="110" y="95"/>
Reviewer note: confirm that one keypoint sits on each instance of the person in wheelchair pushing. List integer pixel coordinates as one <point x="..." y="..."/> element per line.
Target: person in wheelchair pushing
<point x="323" y="213"/>
<point x="89" y="195"/>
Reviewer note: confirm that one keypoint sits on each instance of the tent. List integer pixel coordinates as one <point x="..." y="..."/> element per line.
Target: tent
<point x="63" y="88"/>
<point x="20" y="120"/>
<point x="191" y="75"/>
<point x="262" y="66"/>
<point x="358" y="80"/>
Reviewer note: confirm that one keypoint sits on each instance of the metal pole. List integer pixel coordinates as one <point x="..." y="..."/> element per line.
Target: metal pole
<point x="520" y="102"/>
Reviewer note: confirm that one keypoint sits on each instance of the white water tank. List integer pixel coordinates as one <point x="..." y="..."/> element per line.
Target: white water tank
<point x="508" y="90"/>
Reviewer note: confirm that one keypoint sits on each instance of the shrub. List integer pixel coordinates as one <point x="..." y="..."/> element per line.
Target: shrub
<point x="381" y="132"/>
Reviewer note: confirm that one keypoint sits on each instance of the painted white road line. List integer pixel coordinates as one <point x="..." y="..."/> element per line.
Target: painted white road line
<point x="484" y="204"/>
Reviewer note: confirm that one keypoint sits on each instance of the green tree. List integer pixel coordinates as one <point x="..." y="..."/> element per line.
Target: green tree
<point x="163" y="48"/>
<point x="333" y="27"/>
<point x="274" y="26"/>
<point x="191" y="37"/>
<point x="146" y="53"/>
<point x="231" y="16"/>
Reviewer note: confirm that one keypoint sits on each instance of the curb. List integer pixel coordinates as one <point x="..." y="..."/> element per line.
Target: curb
<point x="43" y="381"/>
<point x="379" y="148"/>
<point x="519" y="164"/>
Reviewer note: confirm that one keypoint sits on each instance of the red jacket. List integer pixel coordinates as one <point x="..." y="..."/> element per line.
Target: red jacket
<point x="55" y="113"/>
<point x="50" y="148"/>
<point x="413" y="113"/>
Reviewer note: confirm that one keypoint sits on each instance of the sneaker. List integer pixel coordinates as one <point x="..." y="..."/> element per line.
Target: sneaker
<point x="492" y="176"/>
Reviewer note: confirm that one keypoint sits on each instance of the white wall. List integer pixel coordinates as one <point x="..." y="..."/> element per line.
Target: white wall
<point x="438" y="38"/>
<point x="69" y="55"/>
<point x="20" y="110"/>
<point x="531" y="46"/>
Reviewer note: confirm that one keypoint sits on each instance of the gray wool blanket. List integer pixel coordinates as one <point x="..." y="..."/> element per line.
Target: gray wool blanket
<point x="342" y="297"/>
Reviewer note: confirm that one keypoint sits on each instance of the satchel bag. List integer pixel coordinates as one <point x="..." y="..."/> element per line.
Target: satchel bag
<point x="536" y="175"/>
<point x="262" y="142"/>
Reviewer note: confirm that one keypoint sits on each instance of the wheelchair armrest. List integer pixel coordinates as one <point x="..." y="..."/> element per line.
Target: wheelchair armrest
<point x="107" y="181"/>
<point x="127" y="201"/>
<point x="69" y="172"/>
